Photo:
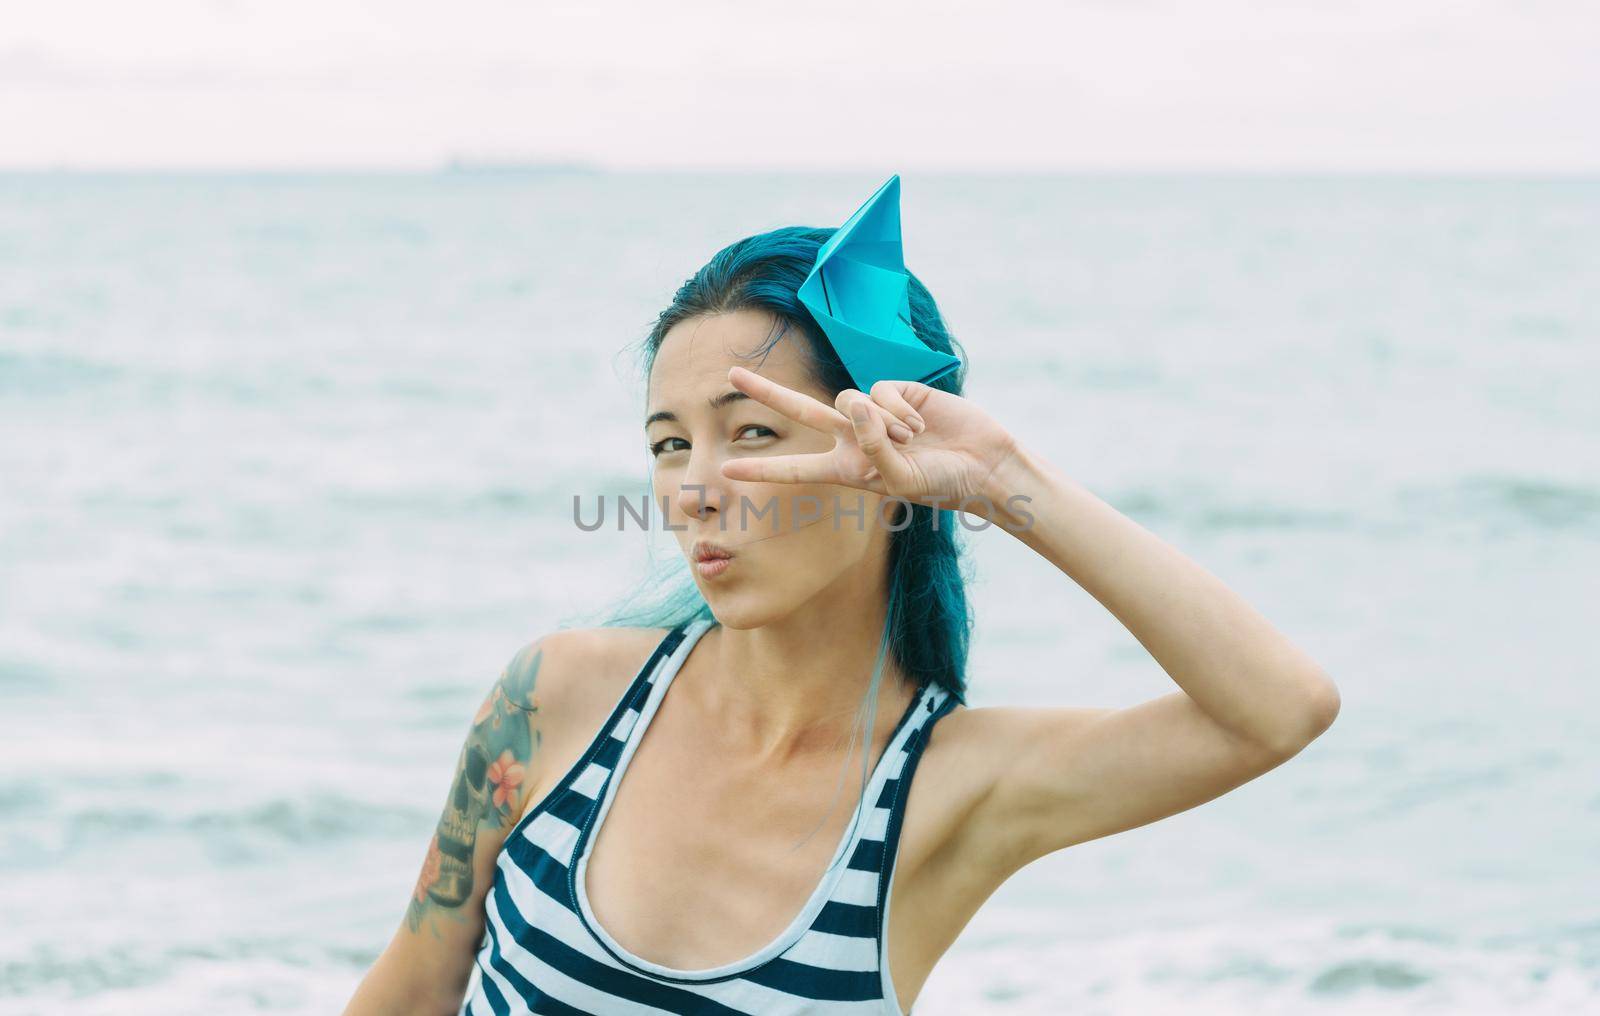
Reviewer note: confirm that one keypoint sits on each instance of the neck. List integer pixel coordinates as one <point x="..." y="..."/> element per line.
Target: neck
<point x="795" y="685"/>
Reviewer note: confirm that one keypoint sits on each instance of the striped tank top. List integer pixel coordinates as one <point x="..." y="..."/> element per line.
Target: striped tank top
<point x="544" y="952"/>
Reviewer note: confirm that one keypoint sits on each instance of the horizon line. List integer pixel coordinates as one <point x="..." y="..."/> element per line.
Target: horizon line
<point x="519" y="167"/>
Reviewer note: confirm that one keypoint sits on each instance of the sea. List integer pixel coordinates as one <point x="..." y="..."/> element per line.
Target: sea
<point x="287" y="467"/>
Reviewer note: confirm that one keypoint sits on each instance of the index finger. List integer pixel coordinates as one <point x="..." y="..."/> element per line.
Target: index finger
<point x="801" y="408"/>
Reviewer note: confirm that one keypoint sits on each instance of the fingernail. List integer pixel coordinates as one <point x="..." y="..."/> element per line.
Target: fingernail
<point x="917" y="424"/>
<point x="900" y="432"/>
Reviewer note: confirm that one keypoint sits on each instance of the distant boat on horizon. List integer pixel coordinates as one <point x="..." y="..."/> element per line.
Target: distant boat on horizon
<point x="516" y="166"/>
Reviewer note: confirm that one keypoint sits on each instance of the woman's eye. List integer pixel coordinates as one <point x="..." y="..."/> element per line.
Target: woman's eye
<point x="751" y="429"/>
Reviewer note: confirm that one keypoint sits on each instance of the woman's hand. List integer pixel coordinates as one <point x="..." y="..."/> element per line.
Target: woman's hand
<point x="906" y="440"/>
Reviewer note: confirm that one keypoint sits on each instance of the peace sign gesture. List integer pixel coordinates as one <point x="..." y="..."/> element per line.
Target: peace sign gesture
<point x="905" y="440"/>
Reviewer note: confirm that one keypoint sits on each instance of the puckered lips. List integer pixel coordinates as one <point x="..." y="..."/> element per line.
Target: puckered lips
<point x="710" y="559"/>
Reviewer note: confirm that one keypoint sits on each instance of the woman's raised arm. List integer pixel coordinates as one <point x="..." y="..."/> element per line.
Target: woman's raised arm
<point x="1247" y="698"/>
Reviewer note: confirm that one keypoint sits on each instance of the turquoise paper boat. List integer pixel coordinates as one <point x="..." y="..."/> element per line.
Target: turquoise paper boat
<point x="859" y="294"/>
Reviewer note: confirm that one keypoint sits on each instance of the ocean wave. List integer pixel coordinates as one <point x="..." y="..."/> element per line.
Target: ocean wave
<point x="256" y="831"/>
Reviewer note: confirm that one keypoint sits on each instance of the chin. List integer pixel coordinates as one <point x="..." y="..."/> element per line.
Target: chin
<point x="759" y="600"/>
<point x="742" y="611"/>
<point x="749" y="603"/>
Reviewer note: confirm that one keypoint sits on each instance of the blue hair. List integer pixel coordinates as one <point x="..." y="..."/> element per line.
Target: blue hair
<point x="928" y="621"/>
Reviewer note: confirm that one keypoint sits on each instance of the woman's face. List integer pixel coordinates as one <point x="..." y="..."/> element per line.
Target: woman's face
<point x="787" y="547"/>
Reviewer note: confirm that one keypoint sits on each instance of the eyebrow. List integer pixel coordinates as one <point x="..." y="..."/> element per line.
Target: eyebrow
<point x="715" y="402"/>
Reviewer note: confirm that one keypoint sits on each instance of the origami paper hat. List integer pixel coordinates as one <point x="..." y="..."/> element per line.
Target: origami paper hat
<point x="859" y="294"/>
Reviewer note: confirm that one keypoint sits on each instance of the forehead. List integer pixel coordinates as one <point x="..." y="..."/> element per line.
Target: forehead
<point x="695" y="355"/>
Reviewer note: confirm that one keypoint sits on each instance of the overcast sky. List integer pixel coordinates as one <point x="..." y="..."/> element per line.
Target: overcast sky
<point x="1430" y="85"/>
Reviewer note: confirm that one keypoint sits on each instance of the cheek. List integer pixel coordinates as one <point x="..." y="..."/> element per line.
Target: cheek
<point x="666" y="481"/>
<point x="839" y="524"/>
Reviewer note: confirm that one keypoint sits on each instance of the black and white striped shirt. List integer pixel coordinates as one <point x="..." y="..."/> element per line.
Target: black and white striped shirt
<point x="544" y="952"/>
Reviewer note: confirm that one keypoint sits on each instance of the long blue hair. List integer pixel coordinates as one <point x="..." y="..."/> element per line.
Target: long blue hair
<point x="928" y="621"/>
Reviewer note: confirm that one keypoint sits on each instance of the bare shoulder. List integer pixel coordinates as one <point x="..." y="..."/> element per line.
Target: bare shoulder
<point x="966" y="756"/>
<point x="975" y="741"/>
<point x="990" y="727"/>
<point x="569" y="669"/>
<point x="568" y="681"/>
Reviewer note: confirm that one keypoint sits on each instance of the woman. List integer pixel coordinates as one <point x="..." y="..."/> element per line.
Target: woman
<point x="722" y="875"/>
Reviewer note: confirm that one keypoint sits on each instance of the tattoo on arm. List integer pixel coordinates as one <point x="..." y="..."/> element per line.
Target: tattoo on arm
<point x="488" y="788"/>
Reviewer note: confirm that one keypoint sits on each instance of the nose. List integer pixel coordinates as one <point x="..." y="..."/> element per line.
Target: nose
<point x="703" y="489"/>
